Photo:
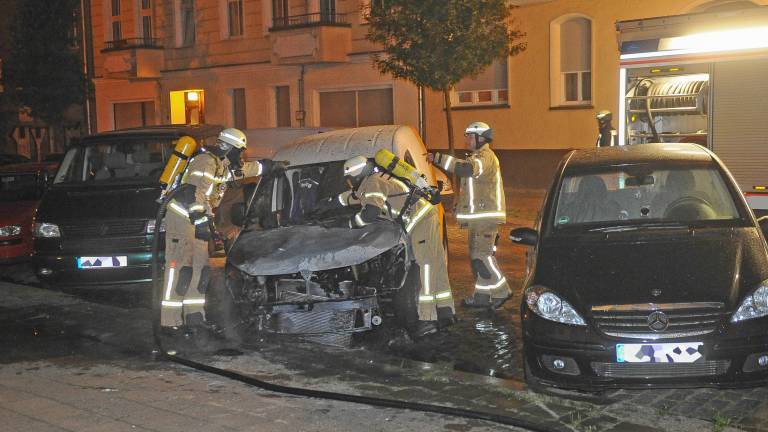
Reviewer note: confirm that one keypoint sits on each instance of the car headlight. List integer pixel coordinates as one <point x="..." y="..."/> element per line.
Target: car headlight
<point x="10" y="231"/>
<point x="47" y="230"/>
<point x="549" y="305"/>
<point x="755" y="305"/>
<point x="152" y="224"/>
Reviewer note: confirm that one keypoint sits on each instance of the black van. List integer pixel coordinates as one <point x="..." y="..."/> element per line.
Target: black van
<point x="95" y="224"/>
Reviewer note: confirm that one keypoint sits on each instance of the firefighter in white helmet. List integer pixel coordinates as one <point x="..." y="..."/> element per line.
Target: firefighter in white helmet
<point x="381" y="195"/>
<point x="188" y="226"/>
<point x="481" y="208"/>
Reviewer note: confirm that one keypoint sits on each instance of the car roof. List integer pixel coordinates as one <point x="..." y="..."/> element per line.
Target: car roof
<point x="160" y="131"/>
<point x="28" y="167"/>
<point x="638" y="153"/>
<point x="344" y="144"/>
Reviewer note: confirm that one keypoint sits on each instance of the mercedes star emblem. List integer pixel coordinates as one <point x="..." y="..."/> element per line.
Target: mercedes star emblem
<point x="658" y="321"/>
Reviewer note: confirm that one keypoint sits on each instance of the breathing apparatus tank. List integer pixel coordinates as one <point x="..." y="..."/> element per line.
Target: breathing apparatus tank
<point x="394" y="166"/>
<point x="177" y="163"/>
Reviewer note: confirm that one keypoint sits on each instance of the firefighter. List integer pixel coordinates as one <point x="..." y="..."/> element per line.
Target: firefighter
<point x="189" y="228"/>
<point x="381" y="195"/>
<point x="607" y="135"/>
<point x="481" y="208"/>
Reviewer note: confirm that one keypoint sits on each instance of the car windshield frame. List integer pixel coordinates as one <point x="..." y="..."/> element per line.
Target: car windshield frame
<point x="267" y="186"/>
<point x="125" y="168"/>
<point x="551" y="227"/>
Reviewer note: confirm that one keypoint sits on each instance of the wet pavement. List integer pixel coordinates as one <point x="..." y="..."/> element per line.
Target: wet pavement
<point x="475" y="364"/>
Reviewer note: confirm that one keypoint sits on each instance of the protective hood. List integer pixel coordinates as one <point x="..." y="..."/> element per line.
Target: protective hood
<point x="289" y="250"/>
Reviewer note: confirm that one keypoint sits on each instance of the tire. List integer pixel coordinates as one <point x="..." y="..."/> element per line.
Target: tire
<point x="404" y="301"/>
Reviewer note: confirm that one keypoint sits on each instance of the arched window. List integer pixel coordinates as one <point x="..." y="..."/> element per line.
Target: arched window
<point x="571" y="61"/>
<point x="722" y="5"/>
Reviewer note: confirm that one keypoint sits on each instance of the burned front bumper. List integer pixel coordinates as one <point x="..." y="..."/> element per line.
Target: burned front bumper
<point x="583" y="358"/>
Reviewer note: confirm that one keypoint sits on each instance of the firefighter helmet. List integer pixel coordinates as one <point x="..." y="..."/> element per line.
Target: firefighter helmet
<point x="234" y="137"/>
<point x="480" y="129"/>
<point x="357" y="166"/>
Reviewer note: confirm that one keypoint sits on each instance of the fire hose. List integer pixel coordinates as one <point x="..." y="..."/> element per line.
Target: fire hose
<point x="301" y="391"/>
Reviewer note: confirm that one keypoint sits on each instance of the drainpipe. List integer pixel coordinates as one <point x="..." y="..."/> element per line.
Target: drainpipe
<point x="422" y="112"/>
<point x="302" y="113"/>
<point x="87" y="55"/>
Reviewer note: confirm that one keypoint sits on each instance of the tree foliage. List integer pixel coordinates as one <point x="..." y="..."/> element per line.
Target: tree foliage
<point x="437" y="43"/>
<point x="43" y="69"/>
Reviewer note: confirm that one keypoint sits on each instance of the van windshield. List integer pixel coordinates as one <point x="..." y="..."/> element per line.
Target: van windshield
<point x="292" y="197"/>
<point x="127" y="161"/>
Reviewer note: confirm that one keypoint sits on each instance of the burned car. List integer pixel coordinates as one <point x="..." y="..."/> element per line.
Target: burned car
<point x="296" y="270"/>
<point x="647" y="268"/>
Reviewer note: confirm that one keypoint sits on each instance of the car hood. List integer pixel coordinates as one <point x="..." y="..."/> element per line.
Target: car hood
<point x="124" y="201"/>
<point x="292" y="249"/>
<point x="708" y="265"/>
<point x="17" y="213"/>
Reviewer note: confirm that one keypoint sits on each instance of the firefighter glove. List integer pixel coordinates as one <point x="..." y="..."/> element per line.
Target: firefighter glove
<point x="202" y="225"/>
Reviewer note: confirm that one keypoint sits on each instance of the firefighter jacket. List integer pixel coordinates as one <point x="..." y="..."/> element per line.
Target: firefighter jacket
<point x="207" y="177"/>
<point x="482" y="191"/>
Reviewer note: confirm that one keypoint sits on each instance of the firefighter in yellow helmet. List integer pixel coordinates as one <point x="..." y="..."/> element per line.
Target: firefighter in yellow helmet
<point x="481" y="208"/>
<point x="383" y="196"/>
<point x="188" y="226"/>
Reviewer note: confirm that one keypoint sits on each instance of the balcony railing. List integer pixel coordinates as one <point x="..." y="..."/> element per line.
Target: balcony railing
<point x="309" y="20"/>
<point x="122" y="44"/>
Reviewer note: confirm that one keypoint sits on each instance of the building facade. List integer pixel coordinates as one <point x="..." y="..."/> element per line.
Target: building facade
<point x="293" y="63"/>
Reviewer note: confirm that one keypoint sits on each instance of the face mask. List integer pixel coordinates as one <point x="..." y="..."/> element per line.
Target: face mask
<point x="235" y="160"/>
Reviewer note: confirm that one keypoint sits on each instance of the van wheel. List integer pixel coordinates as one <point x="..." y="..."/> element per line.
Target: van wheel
<point x="404" y="301"/>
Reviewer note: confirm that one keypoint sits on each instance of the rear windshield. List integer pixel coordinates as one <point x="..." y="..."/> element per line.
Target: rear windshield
<point x="645" y="194"/>
<point x="140" y="161"/>
<point x="21" y="187"/>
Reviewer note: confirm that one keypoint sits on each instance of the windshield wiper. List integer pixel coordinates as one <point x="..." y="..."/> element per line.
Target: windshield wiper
<point x="654" y="225"/>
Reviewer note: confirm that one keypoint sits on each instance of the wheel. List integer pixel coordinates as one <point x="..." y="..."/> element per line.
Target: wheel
<point x="404" y="301"/>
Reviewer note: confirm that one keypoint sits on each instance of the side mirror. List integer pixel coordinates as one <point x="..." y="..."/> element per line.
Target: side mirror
<point x="763" y="222"/>
<point x="524" y="236"/>
<point x="237" y="214"/>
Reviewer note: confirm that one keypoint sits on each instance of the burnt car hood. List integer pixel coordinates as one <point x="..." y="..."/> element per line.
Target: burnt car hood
<point x="127" y="201"/>
<point x="708" y="265"/>
<point x="289" y="250"/>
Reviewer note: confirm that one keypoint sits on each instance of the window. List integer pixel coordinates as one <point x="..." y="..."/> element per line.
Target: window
<point x="186" y="35"/>
<point x="279" y="13"/>
<point x="144" y="20"/>
<point x="238" y="109"/>
<point x="115" y="8"/>
<point x="146" y="4"/>
<point x="235" y="17"/>
<point x="327" y="9"/>
<point x="283" y="106"/>
<point x="187" y="106"/>
<point x="490" y="87"/>
<point x="146" y="26"/>
<point x="571" y="61"/>
<point x="134" y="114"/>
<point x="356" y="108"/>
<point x="117" y="33"/>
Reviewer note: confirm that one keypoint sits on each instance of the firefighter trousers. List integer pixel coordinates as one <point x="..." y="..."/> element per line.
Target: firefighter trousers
<point x="429" y="253"/>
<point x="186" y="276"/>
<point x="489" y="280"/>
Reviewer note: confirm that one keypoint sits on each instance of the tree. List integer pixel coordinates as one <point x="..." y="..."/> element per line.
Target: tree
<point x="437" y="43"/>
<point x="43" y="69"/>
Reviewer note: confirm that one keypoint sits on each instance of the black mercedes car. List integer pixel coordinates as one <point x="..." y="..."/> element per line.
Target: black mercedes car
<point x="647" y="268"/>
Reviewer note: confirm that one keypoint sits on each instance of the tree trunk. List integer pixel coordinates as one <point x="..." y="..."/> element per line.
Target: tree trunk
<point x="449" y="120"/>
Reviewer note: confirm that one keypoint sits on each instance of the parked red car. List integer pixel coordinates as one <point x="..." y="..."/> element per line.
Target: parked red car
<point x="21" y="188"/>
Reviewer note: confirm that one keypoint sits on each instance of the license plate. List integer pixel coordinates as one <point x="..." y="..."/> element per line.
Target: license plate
<point x="102" y="262"/>
<point x="683" y="352"/>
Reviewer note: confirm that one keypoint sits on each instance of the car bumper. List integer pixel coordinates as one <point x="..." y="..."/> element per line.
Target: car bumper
<point x="729" y="358"/>
<point x="62" y="270"/>
<point x="14" y="250"/>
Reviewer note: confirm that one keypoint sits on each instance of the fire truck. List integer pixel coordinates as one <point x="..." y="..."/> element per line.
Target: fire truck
<point x="700" y="78"/>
